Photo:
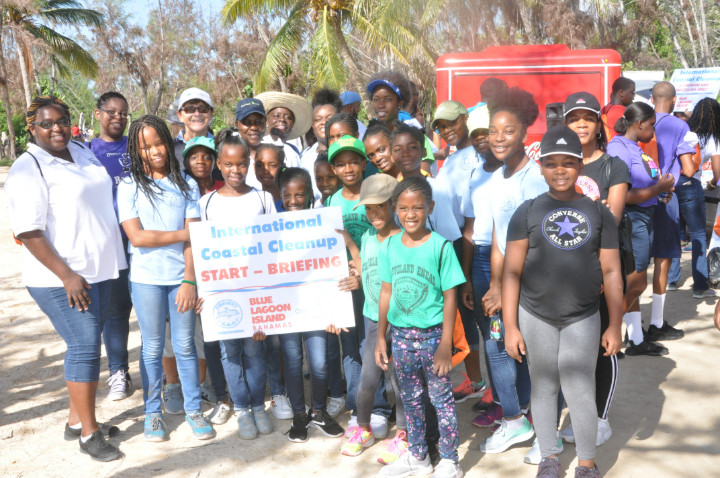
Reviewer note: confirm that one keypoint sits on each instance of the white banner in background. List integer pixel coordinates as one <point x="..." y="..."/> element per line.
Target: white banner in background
<point x="278" y="274"/>
<point x="693" y="84"/>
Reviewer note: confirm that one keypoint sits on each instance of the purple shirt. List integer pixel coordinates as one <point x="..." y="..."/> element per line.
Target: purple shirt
<point x="639" y="164"/>
<point x="113" y="156"/>
<point x="670" y="136"/>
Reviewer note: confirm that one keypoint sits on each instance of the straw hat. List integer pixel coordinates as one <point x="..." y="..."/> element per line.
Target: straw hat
<point x="297" y="104"/>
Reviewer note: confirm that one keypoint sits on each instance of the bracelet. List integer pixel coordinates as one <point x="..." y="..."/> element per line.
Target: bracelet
<point x="189" y="282"/>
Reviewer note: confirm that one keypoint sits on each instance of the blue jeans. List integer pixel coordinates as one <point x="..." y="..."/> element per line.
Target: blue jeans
<point x="153" y="303"/>
<point x="510" y="380"/>
<point x="80" y="330"/>
<point x="244" y="364"/>
<point x="274" y="367"/>
<point x="117" y="323"/>
<point x="335" y="378"/>
<point x="316" y="346"/>
<point x="691" y="199"/>
<point x="213" y="358"/>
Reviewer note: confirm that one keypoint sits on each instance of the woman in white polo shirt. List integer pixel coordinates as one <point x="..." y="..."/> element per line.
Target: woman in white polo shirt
<point x="61" y="209"/>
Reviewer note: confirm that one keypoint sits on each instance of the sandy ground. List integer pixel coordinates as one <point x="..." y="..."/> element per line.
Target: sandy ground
<point x="665" y="417"/>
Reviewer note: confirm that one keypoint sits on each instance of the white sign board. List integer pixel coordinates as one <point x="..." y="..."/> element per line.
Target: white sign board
<point x="276" y="274"/>
<point x="694" y="84"/>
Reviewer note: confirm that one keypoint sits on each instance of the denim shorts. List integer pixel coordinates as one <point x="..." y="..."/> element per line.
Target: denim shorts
<point x="80" y="330"/>
<point x="642" y="234"/>
<point x="666" y="224"/>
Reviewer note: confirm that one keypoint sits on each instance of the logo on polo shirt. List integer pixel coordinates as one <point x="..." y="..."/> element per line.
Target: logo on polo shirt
<point x="566" y="228"/>
<point x="227" y="314"/>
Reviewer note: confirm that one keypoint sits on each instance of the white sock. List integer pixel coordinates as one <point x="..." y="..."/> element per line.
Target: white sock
<point x="77" y="426"/>
<point x="85" y="439"/>
<point x="633" y="320"/>
<point x="514" y="424"/>
<point x="658" y="307"/>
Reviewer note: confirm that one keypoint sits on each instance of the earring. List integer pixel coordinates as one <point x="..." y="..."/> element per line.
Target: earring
<point x="598" y="136"/>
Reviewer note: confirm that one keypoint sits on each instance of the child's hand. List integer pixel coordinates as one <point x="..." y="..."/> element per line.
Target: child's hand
<point x="492" y="301"/>
<point x="514" y="343"/>
<point x="331" y="329"/>
<point x="381" y="358"/>
<point x="442" y="361"/>
<point x="259" y="336"/>
<point x="186" y="298"/>
<point x="351" y="282"/>
<point x="611" y="341"/>
<point x="199" y="305"/>
<point x="466" y="295"/>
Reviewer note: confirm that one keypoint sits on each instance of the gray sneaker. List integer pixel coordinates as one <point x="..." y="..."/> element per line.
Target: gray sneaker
<point x="548" y="468"/>
<point x="407" y="465"/>
<point x="585" y="472"/>
<point x="447" y="469"/>
<point x="172" y="398"/>
<point x="262" y="421"/>
<point x="246" y="425"/>
<point x="220" y="414"/>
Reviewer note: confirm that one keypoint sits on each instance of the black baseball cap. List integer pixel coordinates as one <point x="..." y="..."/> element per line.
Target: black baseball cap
<point x="248" y="106"/>
<point x="561" y="140"/>
<point x="581" y="101"/>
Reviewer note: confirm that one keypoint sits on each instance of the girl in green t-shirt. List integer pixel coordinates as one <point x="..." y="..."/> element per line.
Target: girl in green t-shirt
<point x="419" y="272"/>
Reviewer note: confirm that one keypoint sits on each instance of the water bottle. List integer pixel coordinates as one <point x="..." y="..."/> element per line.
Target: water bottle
<point x="496" y="332"/>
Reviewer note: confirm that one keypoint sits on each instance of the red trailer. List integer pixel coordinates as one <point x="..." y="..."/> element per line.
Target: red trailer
<point x="549" y="72"/>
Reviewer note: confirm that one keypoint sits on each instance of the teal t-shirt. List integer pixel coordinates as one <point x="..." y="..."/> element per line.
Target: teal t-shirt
<point x="354" y="221"/>
<point x="418" y="277"/>
<point x="369" y="252"/>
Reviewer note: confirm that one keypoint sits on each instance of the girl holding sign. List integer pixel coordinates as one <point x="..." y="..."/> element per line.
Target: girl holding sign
<point x="155" y="205"/>
<point x="243" y="359"/>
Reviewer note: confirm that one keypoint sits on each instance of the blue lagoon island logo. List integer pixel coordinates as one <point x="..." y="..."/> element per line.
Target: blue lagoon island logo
<point x="227" y="314"/>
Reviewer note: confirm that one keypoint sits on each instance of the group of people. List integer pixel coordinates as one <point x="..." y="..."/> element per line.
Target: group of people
<point x="539" y="259"/>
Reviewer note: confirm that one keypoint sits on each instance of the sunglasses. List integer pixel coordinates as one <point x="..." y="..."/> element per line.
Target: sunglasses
<point x="449" y="125"/>
<point x="62" y="122"/>
<point x="202" y="109"/>
<point x="116" y="114"/>
<point x="250" y="122"/>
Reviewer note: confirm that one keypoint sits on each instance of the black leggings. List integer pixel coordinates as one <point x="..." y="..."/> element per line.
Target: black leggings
<point x="606" y="371"/>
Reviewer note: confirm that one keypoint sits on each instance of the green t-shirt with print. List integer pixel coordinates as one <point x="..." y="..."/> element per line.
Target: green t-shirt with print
<point x="355" y="221"/>
<point x="369" y="252"/>
<point x="418" y="275"/>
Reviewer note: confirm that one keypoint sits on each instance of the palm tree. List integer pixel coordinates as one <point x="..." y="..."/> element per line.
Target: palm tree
<point x="381" y="24"/>
<point x="28" y="28"/>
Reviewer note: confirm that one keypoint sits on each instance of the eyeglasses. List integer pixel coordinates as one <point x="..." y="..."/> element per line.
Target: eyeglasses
<point x="116" y="114"/>
<point x="202" y="109"/>
<point x="250" y="122"/>
<point x="62" y="122"/>
<point x="449" y="125"/>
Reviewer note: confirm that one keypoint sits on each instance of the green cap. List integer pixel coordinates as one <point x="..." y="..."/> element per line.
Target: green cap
<point x="205" y="141"/>
<point x="448" y="111"/>
<point x="346" y="143"/>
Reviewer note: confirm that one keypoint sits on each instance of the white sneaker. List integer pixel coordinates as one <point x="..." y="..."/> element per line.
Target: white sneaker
<point x="407" y="465"/>
<point x="604" y="432"/>
<point x="447" y="469"/>
<point x="353" y="421"/>
<point x="507" y="435"/>
<point x="120" y="385"/>
<point x="281" y="408"/>
<point x="336" y="406"/>
<point x="220" y="414"/>
<point x="533" y="457"/>
<point x="379" y="426"/>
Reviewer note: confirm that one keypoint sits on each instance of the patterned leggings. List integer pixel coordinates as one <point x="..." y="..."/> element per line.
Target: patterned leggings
<point x="413" y="351"/>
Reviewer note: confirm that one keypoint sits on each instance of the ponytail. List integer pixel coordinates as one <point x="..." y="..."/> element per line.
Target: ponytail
<point x="634" y="113"/>
<point x="621" y="126"/>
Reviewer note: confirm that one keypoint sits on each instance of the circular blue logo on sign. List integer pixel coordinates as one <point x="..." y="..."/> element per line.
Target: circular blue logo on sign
<point x="227" y="314"/>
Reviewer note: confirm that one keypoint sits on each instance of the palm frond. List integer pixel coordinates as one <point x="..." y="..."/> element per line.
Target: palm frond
<point x="432" y="9"/>
<point x="76" y="57"/>
<point x="235" y="9"/>
<point x="397" y="40"/>
<point x="287" y="41"/>
<point x="73" y="16"/>
<point x="325" y="55"/>
<point x="60" y="68"/>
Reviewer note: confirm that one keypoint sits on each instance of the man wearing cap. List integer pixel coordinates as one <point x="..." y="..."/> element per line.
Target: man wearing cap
<point x="250" y="122"/>
<point x="351" y="105"/>
<point x="289" y="117"/>
<point x="196" y="113"/>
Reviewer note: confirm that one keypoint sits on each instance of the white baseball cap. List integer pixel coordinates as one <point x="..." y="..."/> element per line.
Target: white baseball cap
<point x="194" y="94"/>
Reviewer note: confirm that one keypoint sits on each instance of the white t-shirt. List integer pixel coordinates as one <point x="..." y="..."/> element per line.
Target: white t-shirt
<point x="454" y="176"/>
<point x="72" y="203"/>
<point x="362" y="129"/>
<point x="307" y="162"/>
<point x="476" y="204"/>
<point x="508" y="194"/>
<point x="707" y="151"/>
<point x="292" y="158"/>
<point x="242" y="208"/>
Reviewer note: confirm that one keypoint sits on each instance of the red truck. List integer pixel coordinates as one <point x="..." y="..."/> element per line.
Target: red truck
<point x="550" y="72"/>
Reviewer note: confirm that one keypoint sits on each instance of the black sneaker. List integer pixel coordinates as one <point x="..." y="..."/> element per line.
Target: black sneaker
<point x="666" y="332"/>
<point x="107" y="431"/>
<point x="98" y="448"/>
<point x="646" y="348"/>
<point x="322" y="420"/>
<point x="298" y="431"/>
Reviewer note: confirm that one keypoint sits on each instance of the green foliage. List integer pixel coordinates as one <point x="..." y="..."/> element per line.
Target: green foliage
<point x="18" y="121"/>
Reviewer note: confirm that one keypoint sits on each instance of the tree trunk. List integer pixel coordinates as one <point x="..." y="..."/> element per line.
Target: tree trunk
<point x="24" y="73"/>
<point x="6" y="95"/>
<point x="690" y="35"/>
<point x="676" y="43"/>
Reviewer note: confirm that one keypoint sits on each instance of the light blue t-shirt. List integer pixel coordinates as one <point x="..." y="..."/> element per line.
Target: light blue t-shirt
<point x="454" y="176"/>
<point x="509" y="193"/>
<point x="476" y="204"/>
<point x="442" y="220"/>
<point x="166" y="212"/>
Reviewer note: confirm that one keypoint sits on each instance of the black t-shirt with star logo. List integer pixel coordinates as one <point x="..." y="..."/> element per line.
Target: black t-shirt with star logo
<point x="562" y="279"/>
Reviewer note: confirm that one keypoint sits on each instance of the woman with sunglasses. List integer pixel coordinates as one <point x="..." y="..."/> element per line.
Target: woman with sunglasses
<point x="195" y="111"/>
<point x="61" y="209"/>
<point x="637" y="124"/>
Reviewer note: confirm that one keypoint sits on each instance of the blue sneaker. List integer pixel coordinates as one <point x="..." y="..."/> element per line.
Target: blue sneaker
<point x="155" y="427"/>
<point x="202" y="429"/>
<point x="172" y="398"/>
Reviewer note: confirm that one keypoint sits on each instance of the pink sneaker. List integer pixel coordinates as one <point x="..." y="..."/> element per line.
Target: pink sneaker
<point x="492" y="416"/>
<point x="395" y="448"/>
<point x="355" y="440"/>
